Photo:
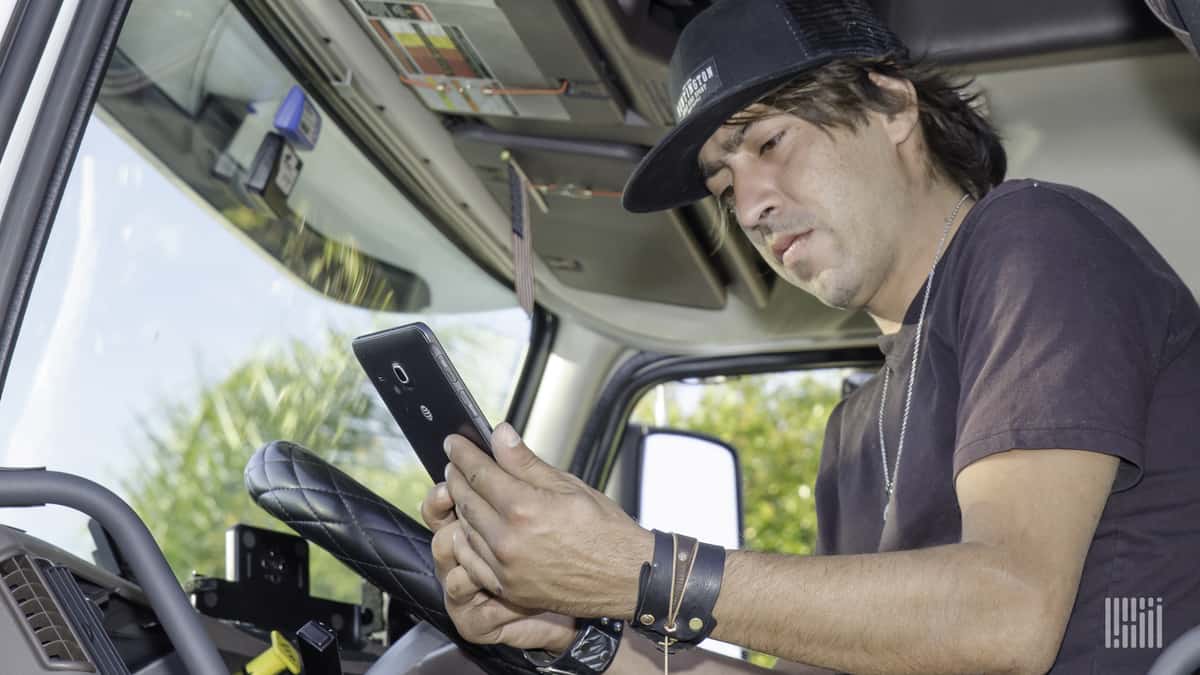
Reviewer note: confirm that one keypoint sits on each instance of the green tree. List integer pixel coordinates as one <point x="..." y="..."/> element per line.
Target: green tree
<point x="189" y="488"/>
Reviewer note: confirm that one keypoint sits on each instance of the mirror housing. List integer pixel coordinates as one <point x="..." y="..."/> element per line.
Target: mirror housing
<point x="688" y="483"/>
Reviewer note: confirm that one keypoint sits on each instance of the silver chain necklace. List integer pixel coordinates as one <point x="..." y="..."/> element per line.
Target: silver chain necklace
<point x="889" y="477"/>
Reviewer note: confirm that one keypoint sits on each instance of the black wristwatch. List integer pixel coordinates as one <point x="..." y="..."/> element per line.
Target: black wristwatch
<point x="592" y="652"/>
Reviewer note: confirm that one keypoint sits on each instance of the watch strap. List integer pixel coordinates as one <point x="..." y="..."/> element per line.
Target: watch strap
<point x="592" y="652"/>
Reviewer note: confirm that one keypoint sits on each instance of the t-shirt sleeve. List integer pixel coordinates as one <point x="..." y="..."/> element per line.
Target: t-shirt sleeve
<point x="1054" y="346"/>
<point x="825" y="489"/>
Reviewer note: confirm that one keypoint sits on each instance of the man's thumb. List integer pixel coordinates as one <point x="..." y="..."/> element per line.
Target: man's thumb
<point x="516" y="458"/>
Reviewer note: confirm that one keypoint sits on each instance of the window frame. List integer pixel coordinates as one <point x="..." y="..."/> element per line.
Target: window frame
<point x="603" y="437"/>
<point x="63" y="113"/>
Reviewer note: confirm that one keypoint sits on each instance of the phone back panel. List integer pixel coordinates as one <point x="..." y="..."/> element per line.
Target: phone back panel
<point x="423" y="391"/>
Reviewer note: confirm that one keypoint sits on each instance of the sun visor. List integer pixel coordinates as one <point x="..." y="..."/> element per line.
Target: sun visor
<point x="586" y="239"/>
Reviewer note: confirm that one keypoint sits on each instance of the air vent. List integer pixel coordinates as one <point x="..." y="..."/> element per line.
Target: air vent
<point x="85" y="616"/>
<point x="43" y="617"/>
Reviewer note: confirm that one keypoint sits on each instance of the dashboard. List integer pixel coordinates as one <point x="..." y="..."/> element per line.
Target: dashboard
<point x="62" y="614"/>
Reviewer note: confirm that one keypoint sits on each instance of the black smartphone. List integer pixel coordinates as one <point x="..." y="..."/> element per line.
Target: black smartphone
<point x="423" y="391"/>
<point x="257" y="555"/>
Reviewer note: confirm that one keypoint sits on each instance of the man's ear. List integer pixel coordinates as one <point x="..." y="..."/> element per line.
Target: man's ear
<point x="901" y="125"/>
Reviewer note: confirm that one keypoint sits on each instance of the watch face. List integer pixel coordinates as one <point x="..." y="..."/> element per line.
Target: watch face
<point x="594" y="649"/>
<point x="592" y="652"/>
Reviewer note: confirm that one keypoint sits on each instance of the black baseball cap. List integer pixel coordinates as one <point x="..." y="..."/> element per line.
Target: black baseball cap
<point x="729" y="56"/>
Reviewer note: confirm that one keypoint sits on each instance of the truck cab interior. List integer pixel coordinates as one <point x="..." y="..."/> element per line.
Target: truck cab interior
<point x="206" y="200"/>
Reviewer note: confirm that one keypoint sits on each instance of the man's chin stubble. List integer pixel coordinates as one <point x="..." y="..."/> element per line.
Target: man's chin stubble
<point x="839" y="298"/>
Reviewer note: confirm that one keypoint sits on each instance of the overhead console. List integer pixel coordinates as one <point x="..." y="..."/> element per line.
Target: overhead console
<point x="529" y="81"/>
<point x="576" y="92"/>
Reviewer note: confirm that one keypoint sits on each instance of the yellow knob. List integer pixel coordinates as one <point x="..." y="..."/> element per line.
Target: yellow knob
<point x="280" y="656"/>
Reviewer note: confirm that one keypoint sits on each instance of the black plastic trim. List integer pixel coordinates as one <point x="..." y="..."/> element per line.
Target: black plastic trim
<point x="24" y="41"/>
<point x="543" y="329"/>
<point x="42" y="175"/>
<point x="628" y="469"/>
<point x="596" y="451"/>
<point x="609" y="397"/>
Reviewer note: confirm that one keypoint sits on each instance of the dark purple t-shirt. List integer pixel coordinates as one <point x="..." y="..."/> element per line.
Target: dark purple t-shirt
<point x="1052" y="323"/>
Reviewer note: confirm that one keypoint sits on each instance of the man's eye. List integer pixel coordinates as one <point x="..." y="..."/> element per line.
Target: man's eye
<point x="771" y="142"/>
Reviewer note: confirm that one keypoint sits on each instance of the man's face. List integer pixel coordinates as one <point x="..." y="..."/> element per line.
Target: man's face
<point x="818" y="205"/>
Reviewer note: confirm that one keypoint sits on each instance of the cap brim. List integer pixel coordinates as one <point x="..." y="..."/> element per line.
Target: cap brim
<point x="669" y="175"/>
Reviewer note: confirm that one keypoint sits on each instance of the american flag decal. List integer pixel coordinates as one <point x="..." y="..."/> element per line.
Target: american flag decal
<point x="519" y="192"/>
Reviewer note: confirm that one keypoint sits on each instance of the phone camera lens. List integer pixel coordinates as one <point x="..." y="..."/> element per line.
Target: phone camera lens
<point x="400" y="373"/>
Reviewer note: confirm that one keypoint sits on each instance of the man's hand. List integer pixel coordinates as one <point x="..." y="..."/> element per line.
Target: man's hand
<point x="480" y="617"/>
<point x="546" y="538"/>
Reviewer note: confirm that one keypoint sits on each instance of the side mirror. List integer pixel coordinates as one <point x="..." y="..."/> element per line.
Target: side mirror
<point x="691" y="484"/>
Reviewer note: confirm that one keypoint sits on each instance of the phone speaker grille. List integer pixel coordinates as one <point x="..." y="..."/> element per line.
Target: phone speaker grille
<point x="42" y="615"/>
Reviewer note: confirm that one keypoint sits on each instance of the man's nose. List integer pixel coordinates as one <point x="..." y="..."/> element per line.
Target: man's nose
<point x="754" y="196"/>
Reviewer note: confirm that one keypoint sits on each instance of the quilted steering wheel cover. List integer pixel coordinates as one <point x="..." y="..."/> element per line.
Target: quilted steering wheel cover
<point x="371" y="536"/>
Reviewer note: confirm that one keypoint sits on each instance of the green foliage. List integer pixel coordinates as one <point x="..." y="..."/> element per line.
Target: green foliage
<point x="777" y="423"/>
<point x="189" y="488"/>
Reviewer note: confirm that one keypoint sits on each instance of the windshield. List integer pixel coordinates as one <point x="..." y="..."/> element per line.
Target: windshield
<point x="182" y="317"/>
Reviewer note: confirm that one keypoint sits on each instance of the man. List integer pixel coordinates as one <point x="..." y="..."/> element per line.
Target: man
<point x="1026" y="455"/>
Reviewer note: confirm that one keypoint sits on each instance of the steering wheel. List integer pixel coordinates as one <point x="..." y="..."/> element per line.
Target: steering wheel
<point x="371" y="536"/>
<point x="321" y="503"/>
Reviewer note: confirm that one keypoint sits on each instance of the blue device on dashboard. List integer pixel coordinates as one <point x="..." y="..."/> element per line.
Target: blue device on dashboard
<point x="298" y="120"/>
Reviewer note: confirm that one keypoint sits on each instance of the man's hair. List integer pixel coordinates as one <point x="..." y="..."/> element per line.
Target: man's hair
<point x="962" y="146"/>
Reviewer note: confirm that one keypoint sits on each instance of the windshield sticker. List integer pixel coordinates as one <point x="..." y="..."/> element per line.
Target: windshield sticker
<point x="448" y="63"/>
<point x="442" y="54"/>
<point x="397" y="10"/>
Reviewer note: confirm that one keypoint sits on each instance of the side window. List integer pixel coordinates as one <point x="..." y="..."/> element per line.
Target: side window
<point x="776" y="422"/>
<point x="180" y="320"/>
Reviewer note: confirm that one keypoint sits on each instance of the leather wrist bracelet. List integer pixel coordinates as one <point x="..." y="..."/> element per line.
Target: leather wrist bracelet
<point x="592" y="652"/>
<point x="677" y="592"/>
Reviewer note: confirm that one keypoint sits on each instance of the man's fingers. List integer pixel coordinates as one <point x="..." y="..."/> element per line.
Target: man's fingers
<point x="518" y="460"/>
<point x="479" y="570"/>
<point x="443" y="550"/>
<point x="437" y="509"/>
<point x="486" y="477"/>
<point x="484" y="623"/>
<point x="459" y="585"/>
<point x="470" y="505"/>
